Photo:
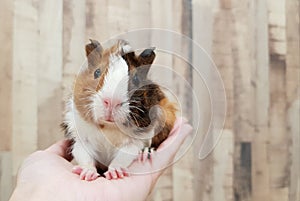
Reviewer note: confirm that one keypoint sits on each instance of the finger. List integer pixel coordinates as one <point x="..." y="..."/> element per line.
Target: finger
<point x="178" y="134"/>
<point x="166" y="152"/>
<point x="168" y="149"/>
<point x="179" y="121"/>
<point x="61" y="148"/>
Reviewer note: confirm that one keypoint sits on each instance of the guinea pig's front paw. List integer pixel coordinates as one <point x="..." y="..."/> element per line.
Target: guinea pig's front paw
<point x="88" y="173"/>
<point x="116" y="173"/>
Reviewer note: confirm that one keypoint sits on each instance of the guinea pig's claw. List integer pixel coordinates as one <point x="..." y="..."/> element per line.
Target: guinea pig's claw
<point x="146" y="154"/>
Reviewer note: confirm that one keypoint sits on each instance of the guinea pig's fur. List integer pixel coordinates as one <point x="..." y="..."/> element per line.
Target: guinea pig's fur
<point x="114" y="108"/>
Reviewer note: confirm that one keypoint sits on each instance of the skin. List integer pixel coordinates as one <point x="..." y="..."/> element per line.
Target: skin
<point x="47" y="175"/>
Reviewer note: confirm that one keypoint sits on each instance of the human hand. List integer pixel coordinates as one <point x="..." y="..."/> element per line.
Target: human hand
<point x="47" y="175"/>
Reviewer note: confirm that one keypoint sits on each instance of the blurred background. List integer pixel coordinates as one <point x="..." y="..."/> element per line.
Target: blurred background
<point x="254" y="43"/>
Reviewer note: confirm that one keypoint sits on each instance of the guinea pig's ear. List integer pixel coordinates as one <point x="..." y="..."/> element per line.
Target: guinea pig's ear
<point x="146" y="58"/>
<point x="93" y="52"/>
<point x="131" y="60"/>
<point x="124" y="47"/>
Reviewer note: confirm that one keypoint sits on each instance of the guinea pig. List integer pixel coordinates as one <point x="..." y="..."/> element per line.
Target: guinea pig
<point x="115" y="111"/>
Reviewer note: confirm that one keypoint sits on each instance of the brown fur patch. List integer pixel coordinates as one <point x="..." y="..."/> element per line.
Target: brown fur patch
<point x="142" y="100"/>
<point x="169" y="110"/>
<point x="85" y="85"/>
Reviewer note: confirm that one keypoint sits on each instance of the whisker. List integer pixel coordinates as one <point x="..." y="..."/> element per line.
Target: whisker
<point x="136" y="121"/>
<point x="135" y="107"/>
<point x="134" y="101"/>
<point x="139" y="117"/>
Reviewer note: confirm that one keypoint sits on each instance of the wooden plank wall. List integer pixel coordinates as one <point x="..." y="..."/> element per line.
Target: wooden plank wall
<point x="6" y="52"/>
<point x="222" y="54"/>
<point x="255" y="45"/>
<point x="293" y="93"/>
<point x="49" y="71"/>
<point x="24" y="81"/>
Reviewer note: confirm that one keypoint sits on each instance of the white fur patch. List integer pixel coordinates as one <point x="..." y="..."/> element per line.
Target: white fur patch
<point x="91" y="144"/>
<point x="115" y="87"/>
<point x="116" y="80"/>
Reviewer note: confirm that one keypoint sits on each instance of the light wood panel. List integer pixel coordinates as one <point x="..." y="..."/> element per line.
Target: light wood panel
<point x="6" y="52"/>
<point x="203" y="18"/>
<point x="97" y="20"/>
<point x="222" y="53"/>
<point x="49" y="70"/>
<point x="223" y="168"/>
<point x="74" y="40"/>
<point x="293" y="93"/>
<point x="243" y="122"/>
<point x="278" y="150"/>
<point x="6" y="178"/>
<point x="260" y="79"/>
<point x="25" y="65"/>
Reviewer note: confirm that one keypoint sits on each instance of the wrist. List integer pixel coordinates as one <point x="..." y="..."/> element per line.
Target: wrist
<point x="23" y="193"/>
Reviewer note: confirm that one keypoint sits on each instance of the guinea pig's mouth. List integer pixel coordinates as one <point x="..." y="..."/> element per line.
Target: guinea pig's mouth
<point x="107" y="121"/>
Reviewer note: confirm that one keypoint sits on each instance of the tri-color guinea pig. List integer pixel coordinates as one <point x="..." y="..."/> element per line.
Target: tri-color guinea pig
<point x="115" y="111"/>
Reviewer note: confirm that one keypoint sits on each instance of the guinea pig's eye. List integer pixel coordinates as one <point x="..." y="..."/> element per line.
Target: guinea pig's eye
<point x="97" y="73"/>
<point x="135" y="80"/>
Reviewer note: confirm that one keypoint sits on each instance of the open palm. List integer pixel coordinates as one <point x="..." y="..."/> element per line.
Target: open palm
<point x="47" y="175"/>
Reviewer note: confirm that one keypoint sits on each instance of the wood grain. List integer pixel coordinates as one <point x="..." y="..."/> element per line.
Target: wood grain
<point x="49" y="72"/>
<point x="293" y="93"/>
<point x="6" y="56"/>
<point x="261" y="86"/>
<point x="6" y="179"/>
<point x="25" y="65"/>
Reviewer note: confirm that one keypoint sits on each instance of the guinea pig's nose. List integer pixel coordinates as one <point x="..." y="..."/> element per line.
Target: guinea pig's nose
<point x="111" y="102"/>
<point x="106" y="102"/>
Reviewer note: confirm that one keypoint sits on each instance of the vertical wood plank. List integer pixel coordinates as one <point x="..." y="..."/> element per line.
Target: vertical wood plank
<point x="293" y="50"/>
<point x="203" y="169"/>
<point x="278" y="150"/>
<point x="183" y="170"/>
<point x="6" y="183"/>
<point x="140" y="17"/>
<point x="49" y="72"/>
<point x="223" y="168"/>
<point x="161" y="15"/>
<point x="293" y="120"/>
<point x="222" y="188"/>
<point x="140" y="14"/>
<point x="244" y="62"/>
<point x="25" y="60"/>
<point x="97" y="20"/>
<point x="117" y="17"/>
<point x="73" y="42"/>
<point x="260" y="84"/>
<point x="293" y="92"/>
<point x="6" y="27"/>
